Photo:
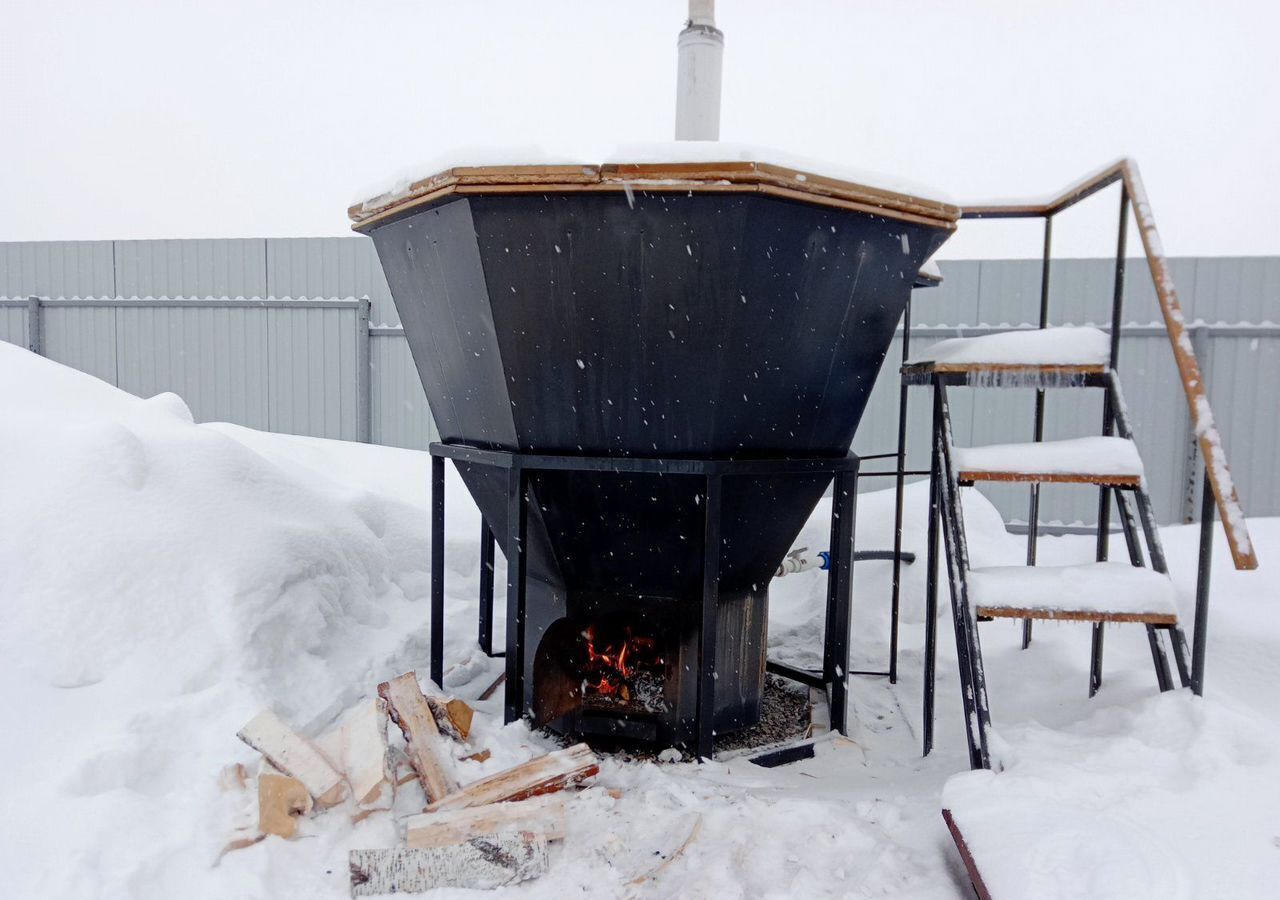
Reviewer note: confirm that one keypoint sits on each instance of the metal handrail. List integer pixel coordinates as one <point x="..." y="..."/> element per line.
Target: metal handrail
<point x="1202" y="422"/>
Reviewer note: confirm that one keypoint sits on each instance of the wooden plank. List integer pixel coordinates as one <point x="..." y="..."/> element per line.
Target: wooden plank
<point x="1075" y="615"/>
<point x="543" y="775"/>
<point x="969" y="476"/>
<point x="543" y="815"/>
<point x="970" y="865"/>
<point x="482" y="863"/>
<point x="292" y="755"/>
<point x="408" y="709"/>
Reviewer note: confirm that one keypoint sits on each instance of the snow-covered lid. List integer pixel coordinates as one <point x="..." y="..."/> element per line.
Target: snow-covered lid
<point x="677" y="166"/>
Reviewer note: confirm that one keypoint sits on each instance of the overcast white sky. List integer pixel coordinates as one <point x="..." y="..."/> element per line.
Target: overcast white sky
<point x="236" y="119"/>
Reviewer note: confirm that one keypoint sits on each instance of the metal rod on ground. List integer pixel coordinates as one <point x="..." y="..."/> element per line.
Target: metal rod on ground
<point x="1200" y="639"/>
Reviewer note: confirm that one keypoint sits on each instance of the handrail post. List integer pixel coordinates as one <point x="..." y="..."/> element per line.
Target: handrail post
<point x="1033" y="513"/>
<point x="1200" y="638"/>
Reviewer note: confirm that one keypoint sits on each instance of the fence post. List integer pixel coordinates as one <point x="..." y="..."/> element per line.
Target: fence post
<point x="364" y="374"/>
<point x="35" y="325"/>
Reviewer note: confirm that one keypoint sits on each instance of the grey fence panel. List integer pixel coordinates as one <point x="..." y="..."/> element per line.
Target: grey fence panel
<point x="955" y="300"/>
<point x="13" y="324"/>
<point x="191" y="268"/>
<point x="1237" y="289"/>
<point x="83" y="338"/>
<point x="330" y="267"/>
<point x="311" y="376"/>
<point x="57" y="269"/>
<point x="214" y="358"/>
<point x="1244" y="384"/>
<point x="401" y="416"/>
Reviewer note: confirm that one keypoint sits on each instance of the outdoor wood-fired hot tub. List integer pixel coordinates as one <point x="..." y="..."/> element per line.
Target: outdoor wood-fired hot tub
<point x="665" y="363"/>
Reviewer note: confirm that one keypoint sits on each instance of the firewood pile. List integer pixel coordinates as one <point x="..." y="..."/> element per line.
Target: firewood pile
<point x="485" y="834"/>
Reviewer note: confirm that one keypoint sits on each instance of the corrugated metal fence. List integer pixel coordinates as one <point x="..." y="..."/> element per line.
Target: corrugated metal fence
<point x="249" y="349"/>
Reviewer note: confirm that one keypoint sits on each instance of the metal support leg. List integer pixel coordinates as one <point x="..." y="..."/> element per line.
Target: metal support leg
<point x="1129" y="525"/>
<point x="900" y="483"/>
<point x="486" y="588"/>
<point x="835" y="667"/>
<point x="931" y="604"/>
<point x="517" y="485"/>
<point x="1095" y="660"/>
<point x="437" y="569"/>
<point x="706" y="713"/>
<point x="1200" y="636"/>
<point x="968" y="646"/>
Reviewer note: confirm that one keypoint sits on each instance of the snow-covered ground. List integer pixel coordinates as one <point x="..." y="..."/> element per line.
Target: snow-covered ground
<point x="161" y="581"/>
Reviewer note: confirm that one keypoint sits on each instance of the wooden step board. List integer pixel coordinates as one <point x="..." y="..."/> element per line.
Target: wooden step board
<point x="1108" y="461"/>
<point x="1033" y="356"/>
<point x="1092" y="592"/>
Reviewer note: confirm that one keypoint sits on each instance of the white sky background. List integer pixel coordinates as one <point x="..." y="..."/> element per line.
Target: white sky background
<point x="233" y="119"/>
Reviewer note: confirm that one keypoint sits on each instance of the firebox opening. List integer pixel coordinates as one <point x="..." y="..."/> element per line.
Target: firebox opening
<point x="608" y="676"/>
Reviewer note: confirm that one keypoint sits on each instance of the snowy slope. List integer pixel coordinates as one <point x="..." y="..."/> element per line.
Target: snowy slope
<point x="160" y="581"/>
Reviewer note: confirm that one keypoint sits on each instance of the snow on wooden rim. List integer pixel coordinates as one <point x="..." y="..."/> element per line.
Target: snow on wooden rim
<point x="1061" y="346"/>
<point x="1096" y="455"/>
<point x="679" y="166"/>
<point x="1114" y="588"/>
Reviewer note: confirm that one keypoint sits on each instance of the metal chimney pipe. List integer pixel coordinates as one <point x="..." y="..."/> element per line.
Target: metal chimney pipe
<point x="701" y="52"/>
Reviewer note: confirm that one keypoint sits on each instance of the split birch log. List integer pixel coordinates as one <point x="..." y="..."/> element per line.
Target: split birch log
<point x="281" y="800"/>
<point x="541" y="815"/>
<point x="358" y="749"/>
<point x="543" y="775"/>
<point x="408" y="709"/>
<point x="482" y="863"/>
<point x="292" y="755"/>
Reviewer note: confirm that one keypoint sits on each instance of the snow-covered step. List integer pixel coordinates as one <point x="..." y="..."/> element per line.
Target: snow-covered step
<point x="1093" y="592"/>
<point x="1061" y="351"/>
<point x="1087" y="460"/>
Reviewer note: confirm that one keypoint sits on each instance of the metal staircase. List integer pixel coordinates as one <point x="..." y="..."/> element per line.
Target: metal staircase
<point x="1100" y="593"/>
<point x="1054" y="359"/>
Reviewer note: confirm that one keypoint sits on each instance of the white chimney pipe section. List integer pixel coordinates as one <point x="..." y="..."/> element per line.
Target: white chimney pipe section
<point x="701" y="52"/>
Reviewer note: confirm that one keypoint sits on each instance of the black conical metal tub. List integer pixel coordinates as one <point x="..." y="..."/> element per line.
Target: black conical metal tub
<point x="678" y="310"/>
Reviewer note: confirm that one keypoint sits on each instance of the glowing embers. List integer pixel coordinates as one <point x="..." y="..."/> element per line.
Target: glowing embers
<point x="621" y="670"/>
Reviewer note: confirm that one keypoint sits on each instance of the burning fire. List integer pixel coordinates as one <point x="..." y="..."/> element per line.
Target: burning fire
<point x="613" y="667"/>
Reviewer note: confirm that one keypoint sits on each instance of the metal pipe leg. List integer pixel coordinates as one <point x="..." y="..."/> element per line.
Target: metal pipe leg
<point x="839" y="584"/>
<point x="1201" y="635"/>
<point x="437" y="569"/>
<point x="706" y="712"/>
<point x="1095" y="660"/>
<point x="931" y="607"/>
<point x="517" y="484"/>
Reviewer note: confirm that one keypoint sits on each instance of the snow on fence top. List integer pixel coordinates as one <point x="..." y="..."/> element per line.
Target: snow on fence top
<point x="675" y="165"/>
